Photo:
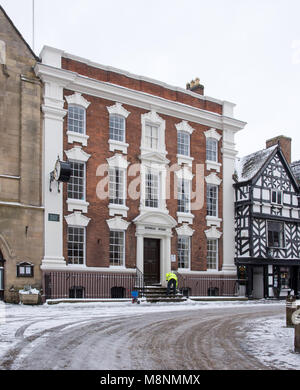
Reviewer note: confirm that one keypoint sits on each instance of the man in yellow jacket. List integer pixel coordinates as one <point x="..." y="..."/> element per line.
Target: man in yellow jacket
<point x="172" y="280"/>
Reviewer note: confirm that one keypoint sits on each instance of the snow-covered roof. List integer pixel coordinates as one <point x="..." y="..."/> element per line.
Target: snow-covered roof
<point x="247" y="167"/>
<point x="295" y="167"/>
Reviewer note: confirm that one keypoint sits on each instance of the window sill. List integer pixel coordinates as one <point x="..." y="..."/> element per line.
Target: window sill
<point x="117" y="209"/>
<point x="213" y="221"/>
<point x="76" y="204"/>
<point x="213" y="165"/>
<point x="117" y="145"/>
<point x="182" y="159"/>
<point x="77" y="137"/>
<point x="185" y="217"/>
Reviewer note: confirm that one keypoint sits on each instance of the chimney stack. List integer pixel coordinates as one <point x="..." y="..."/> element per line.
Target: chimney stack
<point x="285" y="144"/>
<point x="195" y="86"/>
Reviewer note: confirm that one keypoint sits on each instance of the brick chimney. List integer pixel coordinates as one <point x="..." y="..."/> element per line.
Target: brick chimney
<point x="285" y="144"/>
<point x="195" y="86"/>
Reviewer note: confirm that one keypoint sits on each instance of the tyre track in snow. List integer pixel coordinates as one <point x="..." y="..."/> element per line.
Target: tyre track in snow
<point x="198" y="339"/>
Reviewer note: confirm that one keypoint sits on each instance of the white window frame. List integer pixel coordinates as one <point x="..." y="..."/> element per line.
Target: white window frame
<point x="216" y="256"/>
<point x="184" y="127"/>
<point x="153" y="119"/>
<point x="76" y="100"/>
<point x="211" y="151"/>
<point x="188" y="238"/>
<point x="277" y="192"/>
<point x="185" y="136"/>
<point x="116" y="145"/>
<point x="84" y="181"/>
<point x="212" y="164"/>
<point x="156" y="174"/>
<point x="184" y="184"/>
<point x="118" y="161"/>
<point x="216" y="199"/>
<point x="124" y="248"/>
<point x="123" y="185"/>
<point x="83" y="228"/>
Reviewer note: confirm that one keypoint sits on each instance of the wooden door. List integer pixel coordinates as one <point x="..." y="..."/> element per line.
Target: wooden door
<point x="151" y="261"/>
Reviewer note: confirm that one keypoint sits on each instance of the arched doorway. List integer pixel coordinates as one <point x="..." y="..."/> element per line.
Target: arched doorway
<point x="2" y="261"/>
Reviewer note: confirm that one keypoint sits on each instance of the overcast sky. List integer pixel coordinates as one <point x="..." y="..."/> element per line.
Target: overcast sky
<point x="244" y="51"/>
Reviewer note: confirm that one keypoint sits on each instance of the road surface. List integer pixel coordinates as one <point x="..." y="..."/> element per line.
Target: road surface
<point x="203" y="339"/>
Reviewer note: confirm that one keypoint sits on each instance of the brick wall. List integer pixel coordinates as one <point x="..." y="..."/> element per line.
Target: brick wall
<point x="97" y="128"/>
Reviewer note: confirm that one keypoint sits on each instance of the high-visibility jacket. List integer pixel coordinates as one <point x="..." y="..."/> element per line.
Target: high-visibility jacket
<point x="171" y="275"/>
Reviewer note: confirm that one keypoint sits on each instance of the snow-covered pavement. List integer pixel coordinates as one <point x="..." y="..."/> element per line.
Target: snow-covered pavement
<point x="24" y="328"/>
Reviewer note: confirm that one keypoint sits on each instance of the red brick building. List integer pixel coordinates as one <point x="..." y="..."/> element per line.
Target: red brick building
<point x="151" y="184"/>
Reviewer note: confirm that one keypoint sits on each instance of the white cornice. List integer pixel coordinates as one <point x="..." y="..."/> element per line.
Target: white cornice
<point x="77" y="99"/>
<point x="77" y="154"/>
<point x="184" y="126"/>
<point x="77" y="219"/>
<point x="118" y="109"/>
<point x="82" y="84"/>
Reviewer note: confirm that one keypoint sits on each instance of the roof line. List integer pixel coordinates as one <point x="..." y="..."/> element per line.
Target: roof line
<point x="18" y="32"/>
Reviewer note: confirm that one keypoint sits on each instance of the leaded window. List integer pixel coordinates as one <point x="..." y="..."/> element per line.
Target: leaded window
<point x="76" y="245"/>
<point x="116" y="186"/>
<point x="183" y="186"/>
<point x="76" y="184"/>
<point x="117" y="128"/>
<point x="116" y="248"/>
<point x="212" y="254"/>
<point x="212" y="200"/>
<point x="76" y="119"/>
<point x="183" y="249"/>
<point x="211" y="149"/>
<point x="183" y="143"/>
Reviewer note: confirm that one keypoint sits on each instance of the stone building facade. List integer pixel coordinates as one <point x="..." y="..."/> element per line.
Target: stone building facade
<point x="151" y="186"/>
<point x="21" y="211"/>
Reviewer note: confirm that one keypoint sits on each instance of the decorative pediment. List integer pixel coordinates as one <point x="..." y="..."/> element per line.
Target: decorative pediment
<point x="117" y="223"/>
<point x="77" y="99"/>
<point x="185" y="230"/>
<point x="184" y="173"/>
<point x="118" y="161"/>
<point x="212" y="133"/>
<point x="213" y="179"/>
<point x="77" y="154"/>
<point x="153" y="118"/>
<point x="184" y="126"/>
<point x="213" y="233"/>
<point x="155" y="219"/>
<point x="77" y="219"/>
<point x="154" y="157"/>
<point x="118" y="109"/>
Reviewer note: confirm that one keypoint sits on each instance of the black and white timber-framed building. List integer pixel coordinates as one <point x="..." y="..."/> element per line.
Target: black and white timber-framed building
<point x="267" y="224"/>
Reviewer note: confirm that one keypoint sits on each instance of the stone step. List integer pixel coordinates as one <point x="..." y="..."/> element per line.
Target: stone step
<point x="157" y="293"/>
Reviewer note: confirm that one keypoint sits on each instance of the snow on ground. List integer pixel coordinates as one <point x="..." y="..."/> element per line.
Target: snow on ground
<point x="267" y="339"/>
